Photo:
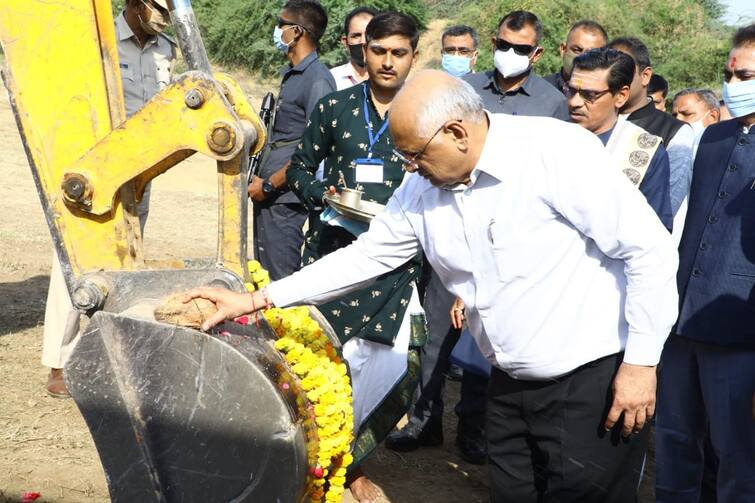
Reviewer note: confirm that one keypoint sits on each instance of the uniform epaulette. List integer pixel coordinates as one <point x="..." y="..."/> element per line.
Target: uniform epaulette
<point x="168" y="38"/>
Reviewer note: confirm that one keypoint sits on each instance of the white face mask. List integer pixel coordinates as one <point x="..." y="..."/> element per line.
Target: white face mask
<point x="510" y="64"/>
<point x="698" y="127"/>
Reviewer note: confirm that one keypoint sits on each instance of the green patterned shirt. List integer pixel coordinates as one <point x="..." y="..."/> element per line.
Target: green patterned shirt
<point x="337" y="133"/>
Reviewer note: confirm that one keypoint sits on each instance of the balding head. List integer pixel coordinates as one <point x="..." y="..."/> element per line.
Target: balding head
<point x="438" y="120"/>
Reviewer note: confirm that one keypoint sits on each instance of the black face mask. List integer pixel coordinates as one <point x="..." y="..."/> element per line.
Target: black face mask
<point x="357" y="54"/>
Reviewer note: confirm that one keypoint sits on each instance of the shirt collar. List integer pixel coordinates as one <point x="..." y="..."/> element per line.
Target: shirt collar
<point x="525" y="88"/>
<point x="125" y="32"/>
<point x="645" y="111"/>
<point x="490" y="158"/>
<point x="303" y="64"/>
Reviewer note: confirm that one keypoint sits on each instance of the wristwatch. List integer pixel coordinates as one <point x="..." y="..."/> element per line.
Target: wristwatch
<point x="267" y="187"/>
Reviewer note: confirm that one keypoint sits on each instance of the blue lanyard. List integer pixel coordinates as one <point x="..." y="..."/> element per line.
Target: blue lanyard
<point x="373" y="138"/>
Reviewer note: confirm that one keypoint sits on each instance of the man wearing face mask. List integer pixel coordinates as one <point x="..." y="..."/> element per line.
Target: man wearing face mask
<point x="459" y="50"/>
<point x="707" y="379"/>
<point x="697" y="107"/>
<point x="583" y="36"/>
<point x="512" y="88"/>
<point x="353" y="71"/>
<point x="278" y="214"/>
<point x="145" y="57"/>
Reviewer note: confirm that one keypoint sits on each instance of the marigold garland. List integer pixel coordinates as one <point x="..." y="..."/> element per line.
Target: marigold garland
<point x="324" y="378"/>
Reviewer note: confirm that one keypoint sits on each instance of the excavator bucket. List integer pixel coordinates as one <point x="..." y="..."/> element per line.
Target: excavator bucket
<point x="181" y="415"/>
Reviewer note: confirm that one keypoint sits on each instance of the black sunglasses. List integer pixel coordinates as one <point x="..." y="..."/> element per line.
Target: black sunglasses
<point x="285" y="22"/>
<point x="586" y="94"/>
<point x="521" y="49"/>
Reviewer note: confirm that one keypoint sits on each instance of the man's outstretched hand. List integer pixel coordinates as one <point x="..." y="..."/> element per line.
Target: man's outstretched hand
<point x="230" y="304"/>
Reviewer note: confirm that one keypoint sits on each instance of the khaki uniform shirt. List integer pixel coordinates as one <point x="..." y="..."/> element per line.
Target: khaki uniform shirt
<point x="144" y="71"/>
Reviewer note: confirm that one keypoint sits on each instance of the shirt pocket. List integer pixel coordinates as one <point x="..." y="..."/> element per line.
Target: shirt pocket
<point x="127" y="76"/>
<point x="512" y="253"/>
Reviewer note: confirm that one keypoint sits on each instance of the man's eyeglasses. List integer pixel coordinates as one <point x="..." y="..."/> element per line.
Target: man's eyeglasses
<point x="586" y="94"/>
<point x="520" y="49"/>
<point x="458" y="51"/>
<point x="410" y="162"/>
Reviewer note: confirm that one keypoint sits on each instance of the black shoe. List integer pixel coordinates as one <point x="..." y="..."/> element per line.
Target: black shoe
<point x="413" y="435"/>
<point x="472" y="450"/>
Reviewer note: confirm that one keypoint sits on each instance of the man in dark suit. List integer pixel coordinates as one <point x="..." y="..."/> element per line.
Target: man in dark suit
<point x="708" y="366"/>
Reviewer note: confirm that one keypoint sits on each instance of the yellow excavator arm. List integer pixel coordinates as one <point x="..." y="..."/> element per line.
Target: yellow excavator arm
<point x="90" y="164"/>
<point x="176" y="414"/>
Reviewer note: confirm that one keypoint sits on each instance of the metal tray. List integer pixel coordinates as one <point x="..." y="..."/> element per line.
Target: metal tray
<point x="366" y="211"/>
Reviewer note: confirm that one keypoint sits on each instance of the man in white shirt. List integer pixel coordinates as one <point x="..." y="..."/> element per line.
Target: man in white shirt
<point x="567" y="275"/>
<point x="354" y="71"/>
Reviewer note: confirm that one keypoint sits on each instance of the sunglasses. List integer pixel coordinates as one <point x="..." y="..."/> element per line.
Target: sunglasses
<point x="520" y="49"/>
<point x="285" y="22"/>
<point x="586" y="94"/>
<point x="410" y="162"/>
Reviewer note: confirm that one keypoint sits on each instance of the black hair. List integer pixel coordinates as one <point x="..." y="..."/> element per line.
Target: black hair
<point x="354" y="13"/>
<point x="744" y="36"/>
<point x="620" y="66"/>
<point x="636" y="48"/>
<point x="460" y="30"/>
<point x="310" y="15"/>
<point x="658" y="83"/>
<point x="386" y="24"/>
<point x="518" y="19"/>
<point x="588" y="25"/>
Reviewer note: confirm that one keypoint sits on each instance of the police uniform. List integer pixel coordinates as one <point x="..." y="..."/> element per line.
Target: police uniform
<point x="144" y="71"/>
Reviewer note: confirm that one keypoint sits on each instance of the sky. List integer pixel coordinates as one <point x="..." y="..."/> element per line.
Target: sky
<point x="739" y="12"/>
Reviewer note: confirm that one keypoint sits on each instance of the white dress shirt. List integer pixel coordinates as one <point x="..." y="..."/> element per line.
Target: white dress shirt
<point x="558" y="257"/>
<point x="345" y="76"/>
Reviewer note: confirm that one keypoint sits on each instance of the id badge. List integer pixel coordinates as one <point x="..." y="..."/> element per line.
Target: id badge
<point x="369" y="170"/>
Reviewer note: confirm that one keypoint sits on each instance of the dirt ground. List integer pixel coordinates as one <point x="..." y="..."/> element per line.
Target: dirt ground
<point x="44" y="443"/>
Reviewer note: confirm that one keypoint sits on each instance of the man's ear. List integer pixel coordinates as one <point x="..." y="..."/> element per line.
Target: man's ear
<point x="715" y="115"/>
<point x="415" y="56"/>
<point x="645" y="76"/>
<point x="621" y="97"/>
<point x="538" y="54"/>
<point x="460" y="135"/>
<point x="562" y="49"/>
<point x="345" y="42"/>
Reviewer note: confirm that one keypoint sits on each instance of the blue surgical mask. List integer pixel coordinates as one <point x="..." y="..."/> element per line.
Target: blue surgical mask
<point x="458" y="66"/>
<point x="278" y="39"/>
<point x="740" y="97"/>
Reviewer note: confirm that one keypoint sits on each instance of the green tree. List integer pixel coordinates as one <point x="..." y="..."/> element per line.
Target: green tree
<point x="688" y="45"/>
<point x="240" y="32"/>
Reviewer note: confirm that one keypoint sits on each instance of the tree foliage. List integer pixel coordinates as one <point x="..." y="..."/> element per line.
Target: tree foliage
<point x="240" y="32"/>
<point x="688" y="45"/>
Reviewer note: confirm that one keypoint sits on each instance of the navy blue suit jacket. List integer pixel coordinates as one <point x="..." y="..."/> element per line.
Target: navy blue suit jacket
<point x="716" y="276"/>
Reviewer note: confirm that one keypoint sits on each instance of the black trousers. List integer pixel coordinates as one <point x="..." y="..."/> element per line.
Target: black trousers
<point x="547" y="442"/>
<point x="278" y="237"/>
